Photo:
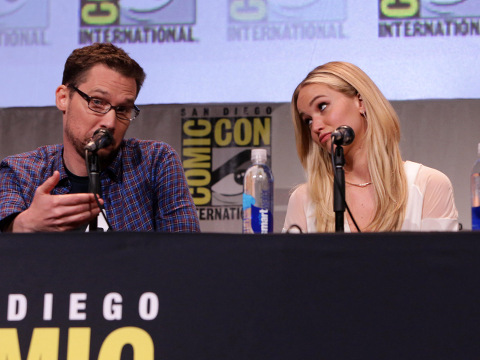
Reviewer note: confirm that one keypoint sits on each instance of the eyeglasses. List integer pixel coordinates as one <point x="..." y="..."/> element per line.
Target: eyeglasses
<point x="101" y="106"/>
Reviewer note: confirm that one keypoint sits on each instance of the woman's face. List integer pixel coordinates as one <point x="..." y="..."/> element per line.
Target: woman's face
<point x="323" y="109"/>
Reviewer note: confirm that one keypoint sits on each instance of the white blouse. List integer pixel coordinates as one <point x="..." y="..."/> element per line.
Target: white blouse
<point x="430" y="206"/>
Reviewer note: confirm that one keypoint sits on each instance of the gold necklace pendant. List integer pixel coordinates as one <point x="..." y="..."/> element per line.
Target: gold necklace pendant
<point x="362" y="185"/>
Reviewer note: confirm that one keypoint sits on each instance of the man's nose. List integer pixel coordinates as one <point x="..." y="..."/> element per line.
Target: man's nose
<point x="109" y="119"/>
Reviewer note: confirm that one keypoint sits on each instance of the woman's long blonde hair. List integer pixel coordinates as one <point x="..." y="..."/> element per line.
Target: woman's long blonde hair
<point x="382" y="141"/>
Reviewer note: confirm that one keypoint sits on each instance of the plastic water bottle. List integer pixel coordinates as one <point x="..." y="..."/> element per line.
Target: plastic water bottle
<point x="475" y="187"/>
<point x="258" y="195"/>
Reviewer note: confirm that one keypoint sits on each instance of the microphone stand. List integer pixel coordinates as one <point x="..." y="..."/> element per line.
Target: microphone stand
<point x="339" y="189"/>
<point x="93" y="183"/>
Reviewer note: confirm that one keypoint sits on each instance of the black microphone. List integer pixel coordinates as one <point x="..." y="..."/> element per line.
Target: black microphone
<point x="101" y="138"/>
<point x="344" y="135"/>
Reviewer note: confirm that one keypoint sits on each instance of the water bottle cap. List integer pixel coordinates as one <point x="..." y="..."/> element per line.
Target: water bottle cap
<point x="259" y="156"/>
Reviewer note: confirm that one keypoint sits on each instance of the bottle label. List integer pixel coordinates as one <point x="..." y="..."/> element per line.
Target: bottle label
<point x="476" y="218"/>
<point x="261" y="220"/>
<point x="256" y="220"/>
<point x="248" y="201"/>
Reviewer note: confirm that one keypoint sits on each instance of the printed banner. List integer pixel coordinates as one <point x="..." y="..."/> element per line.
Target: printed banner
<point x="216" y="145"/>
<point x="146" y="296"/>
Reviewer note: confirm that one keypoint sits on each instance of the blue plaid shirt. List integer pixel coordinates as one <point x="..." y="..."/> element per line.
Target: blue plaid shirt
<point x="144" y="189"/>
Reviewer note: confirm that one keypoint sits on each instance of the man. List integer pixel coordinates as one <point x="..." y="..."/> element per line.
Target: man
<point x="142" y="183"/>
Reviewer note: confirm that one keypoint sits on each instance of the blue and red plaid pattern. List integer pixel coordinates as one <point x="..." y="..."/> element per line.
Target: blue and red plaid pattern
<point x="144" y="189"/>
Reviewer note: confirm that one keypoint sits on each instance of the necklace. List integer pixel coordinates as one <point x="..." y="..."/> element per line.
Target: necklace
<point x="362" y="185"/>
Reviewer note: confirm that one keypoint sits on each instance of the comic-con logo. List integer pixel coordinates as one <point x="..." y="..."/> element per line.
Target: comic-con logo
<point x="414" y="18"/>
<point x="18" y="337"/>
<point x="137" y="21"/>
<point x="137" y="12"/>
<point x="399" y="8"/>
<point x="285" y="19"/>
<point x="429" y="8"/>
<point x="216" y="154"/>
<point x="23" y="22"/>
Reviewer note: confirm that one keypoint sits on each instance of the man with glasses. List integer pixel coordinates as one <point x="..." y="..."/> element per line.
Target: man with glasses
<point x="142" y="183"/>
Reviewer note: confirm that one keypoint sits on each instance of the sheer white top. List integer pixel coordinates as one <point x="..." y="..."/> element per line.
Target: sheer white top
<point x="430" y="206"/>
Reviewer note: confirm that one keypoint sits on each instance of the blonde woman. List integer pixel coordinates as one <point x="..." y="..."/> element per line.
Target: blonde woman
<point x="383" y="192"/>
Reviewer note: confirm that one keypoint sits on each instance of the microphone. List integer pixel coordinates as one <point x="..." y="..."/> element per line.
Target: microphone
<point x="344" y="135"/>
<point x="101" y="138"/>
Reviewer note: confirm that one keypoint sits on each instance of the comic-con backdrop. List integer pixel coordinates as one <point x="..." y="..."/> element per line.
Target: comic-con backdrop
<point x="214" y="142"/>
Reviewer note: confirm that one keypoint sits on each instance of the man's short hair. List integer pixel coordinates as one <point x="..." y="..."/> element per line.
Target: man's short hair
<point x="83" y="59"/>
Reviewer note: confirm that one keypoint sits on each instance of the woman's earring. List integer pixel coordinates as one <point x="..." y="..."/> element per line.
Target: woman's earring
<point x="364" y="114"/>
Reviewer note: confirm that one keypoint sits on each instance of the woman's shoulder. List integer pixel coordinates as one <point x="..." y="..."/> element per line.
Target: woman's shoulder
<point x="296" y="216"/>
<point x="427" y="176"/>
<point x="300" y="192"/>
<point x="299" y="200"/>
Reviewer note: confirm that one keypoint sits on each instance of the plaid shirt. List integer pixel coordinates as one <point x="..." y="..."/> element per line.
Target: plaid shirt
<point x="144" y="189"/>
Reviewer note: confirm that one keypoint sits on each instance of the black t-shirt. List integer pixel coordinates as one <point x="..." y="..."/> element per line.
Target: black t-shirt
<point x="79" y="183"/>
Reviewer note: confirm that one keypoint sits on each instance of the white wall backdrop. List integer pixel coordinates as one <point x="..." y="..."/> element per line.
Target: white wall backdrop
<point x="202" y="51"/>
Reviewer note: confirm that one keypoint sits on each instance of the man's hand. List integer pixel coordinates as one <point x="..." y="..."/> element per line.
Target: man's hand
<point x="56" y="212"/>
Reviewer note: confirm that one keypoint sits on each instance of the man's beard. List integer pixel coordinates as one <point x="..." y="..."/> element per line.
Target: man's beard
<point x="105" y="156"/>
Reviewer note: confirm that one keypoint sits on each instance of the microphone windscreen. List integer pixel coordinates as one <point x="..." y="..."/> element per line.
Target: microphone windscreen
<point x="343" y="135"/>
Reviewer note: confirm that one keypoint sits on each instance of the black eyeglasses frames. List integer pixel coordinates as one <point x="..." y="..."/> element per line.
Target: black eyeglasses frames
<point x="102" y="106"/>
